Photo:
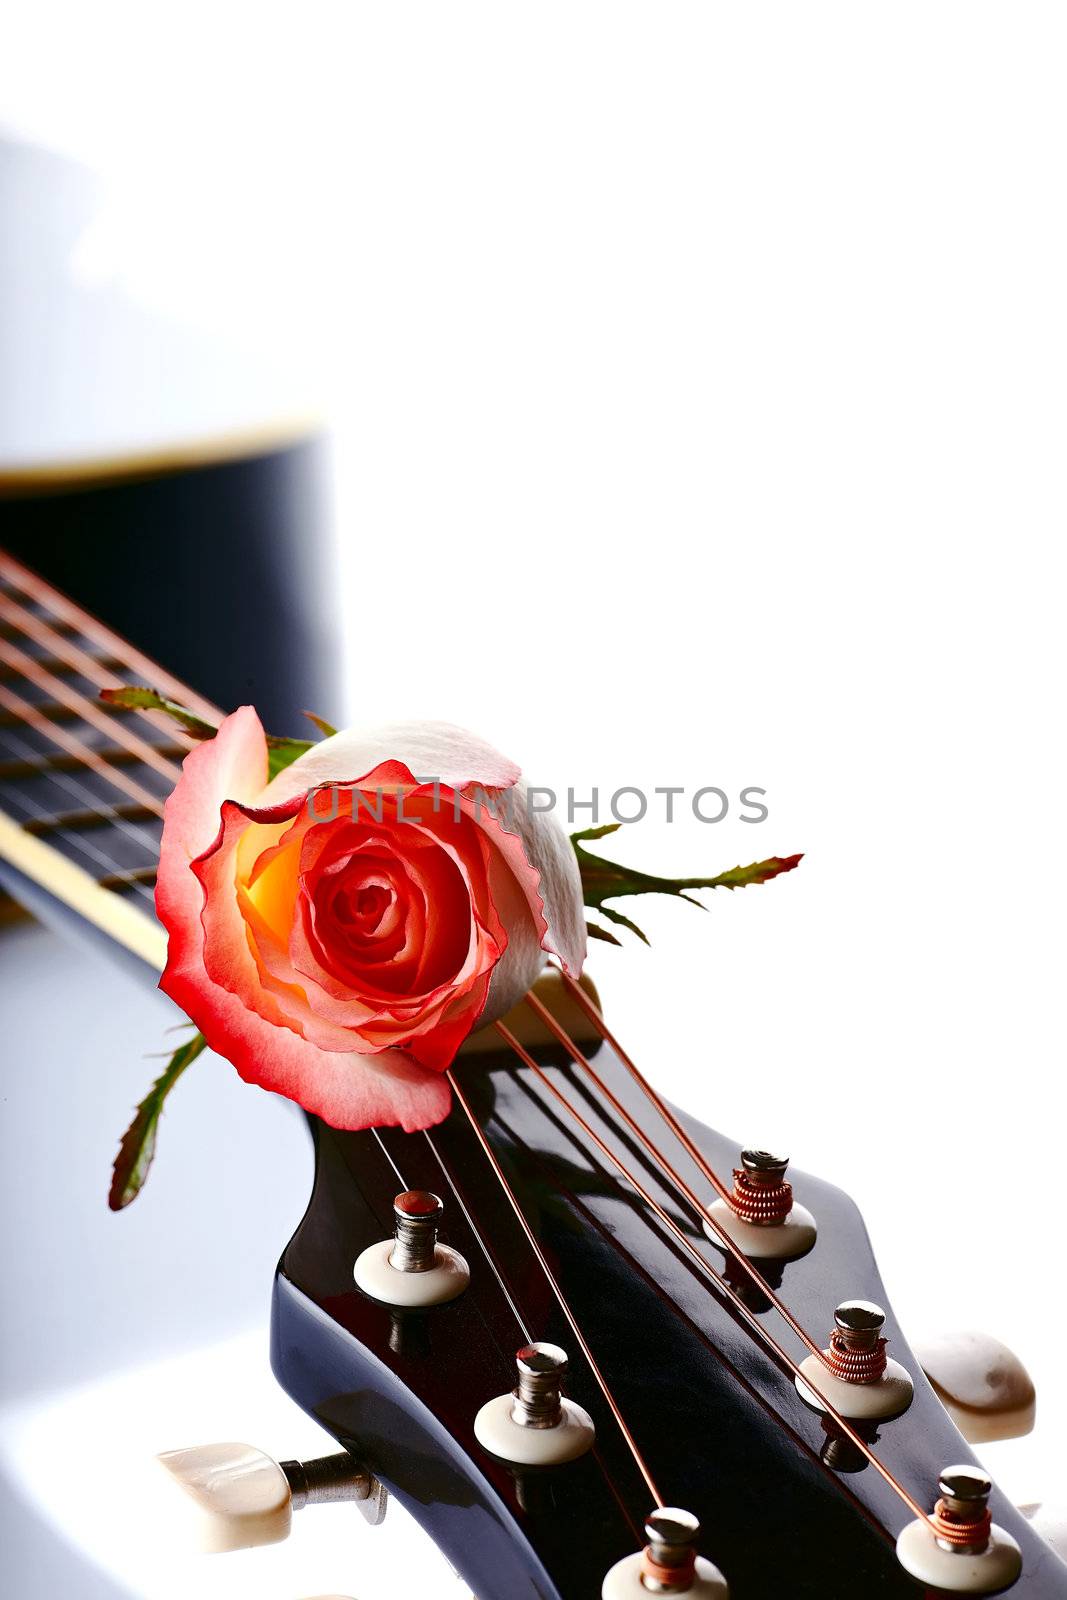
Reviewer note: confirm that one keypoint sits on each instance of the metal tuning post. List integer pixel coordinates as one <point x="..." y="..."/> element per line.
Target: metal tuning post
<point x="535" y="1425"/>
<point x="761" y="1216"/>
<point x="413" y="1268"/>
<point x="959" y="1548"/>
<point x="234" y="1497"/>
<point x="854" y="1373"/>
<point x="669" y="1563"/>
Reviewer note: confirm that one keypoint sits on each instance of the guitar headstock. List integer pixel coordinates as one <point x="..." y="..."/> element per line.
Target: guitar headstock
<point x="787" y="1500"/>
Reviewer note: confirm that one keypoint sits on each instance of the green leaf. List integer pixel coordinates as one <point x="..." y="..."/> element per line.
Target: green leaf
<point x="607" y="880"/>
<point x="755" y="872"/>
<point x="138" y="1147"/>
<point x="327" y="729"/>
<point x="135" y="697"/>
<point x="281" y="753"/>
<point x="595" y="931"/>
<point x="624" y="922"/>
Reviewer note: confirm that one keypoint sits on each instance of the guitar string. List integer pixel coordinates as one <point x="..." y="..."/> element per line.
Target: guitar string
<point x="524" y="1327"/>
<point x="85" y="845"/>
<point x="404" y="1185"/>
<point x="20" y="578"/>
<point x="88" y="800"/>
<point x="553" y="1282"/>
<point x="494" y="1265"/>
<point x="748" y="1316"/>
<point x="736" y="1254"/>
<point x="72" y="655"/>
<point x="74" y="746"/>
<point x="89" y="711"/>
<point x="730" y="1245"/>
<point x="654" y="1283"/>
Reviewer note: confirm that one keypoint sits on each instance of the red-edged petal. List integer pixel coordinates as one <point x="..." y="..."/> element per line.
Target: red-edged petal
<point x="345" y="1089"/>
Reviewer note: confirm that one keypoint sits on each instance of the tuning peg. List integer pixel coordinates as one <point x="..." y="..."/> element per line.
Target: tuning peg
<point x="761" y="1216"/>
<point x="235" y="1497"/>
<point x="1050" y="1521"/>
<point x="854" y="1374"/>
<point x="669" y="1563"/>
<point x="959" y="1548"/>
<point x="535" y="1425"/>
<point x="413" y="1268"/>
<point x="982" y="1385"/>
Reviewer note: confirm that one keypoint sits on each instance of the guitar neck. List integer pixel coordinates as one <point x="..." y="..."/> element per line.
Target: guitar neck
<point x="82" y="783"/>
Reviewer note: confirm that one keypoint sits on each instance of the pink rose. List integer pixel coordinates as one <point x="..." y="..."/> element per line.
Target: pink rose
<point x="338" y="932"/>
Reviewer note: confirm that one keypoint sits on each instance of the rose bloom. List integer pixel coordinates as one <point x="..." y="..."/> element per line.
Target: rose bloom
<point x="338" y="932"/>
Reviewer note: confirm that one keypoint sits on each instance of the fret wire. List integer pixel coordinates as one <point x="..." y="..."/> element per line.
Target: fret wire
<point x="43" y="763"/>
<point x="129" y="876"/>
<point x="85" y="753"/>
<point x="90" y="712"/>
<point x="749" y="1317"/>
<point x="80" y="792"/>
<point x="66" y="611"/>
<point x="88" y="666"/>
<point x="91" y="819"/>
<point x="553" y="1282"/>
<point x="86" y="846"/>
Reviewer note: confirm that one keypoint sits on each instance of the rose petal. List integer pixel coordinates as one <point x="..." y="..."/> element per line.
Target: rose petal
<point x="347" y="1090"/>
<point x="429" y="750"/>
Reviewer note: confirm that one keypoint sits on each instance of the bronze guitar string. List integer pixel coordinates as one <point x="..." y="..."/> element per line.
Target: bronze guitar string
<point x="102" y="672"/>
<point x="751" y="1321"/>
<point x="512" y="1198"/>
<point x="90" y="711"/>
<point x="87" y="756"/>
<point x="743" y="1261"/>
<point x="512" y="1300"/>
<point x="66" y="611"/>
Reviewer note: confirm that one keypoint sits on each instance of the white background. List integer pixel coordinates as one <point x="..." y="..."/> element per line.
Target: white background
<point x="697" y="380"/>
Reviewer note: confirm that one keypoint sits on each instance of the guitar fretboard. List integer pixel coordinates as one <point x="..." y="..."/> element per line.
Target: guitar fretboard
<point x="86" y="779"/>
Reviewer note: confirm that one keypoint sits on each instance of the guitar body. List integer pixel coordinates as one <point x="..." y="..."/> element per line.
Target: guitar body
<point x="725" y="1431"/>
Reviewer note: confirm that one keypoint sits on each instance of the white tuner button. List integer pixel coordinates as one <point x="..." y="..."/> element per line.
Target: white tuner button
<point x="761" y="1217"/>
<point x="413" y="1268"/>
<point x="668" y="1564"/>
<point x="234" y="1497"/>
<point x="982" y="1385"/>
<point x="535" y="1425"/>
<point x="854" y="1374"/>
<point x="958" y="1548"/>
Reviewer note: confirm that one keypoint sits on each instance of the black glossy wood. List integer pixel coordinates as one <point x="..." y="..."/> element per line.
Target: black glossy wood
<point x="721" y="1426"/>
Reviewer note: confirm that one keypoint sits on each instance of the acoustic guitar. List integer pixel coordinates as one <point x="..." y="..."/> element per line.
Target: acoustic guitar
<point x="592" y="1346"/>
